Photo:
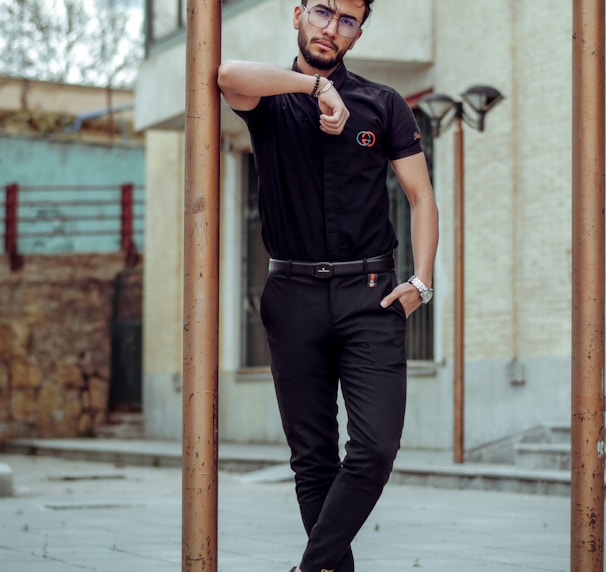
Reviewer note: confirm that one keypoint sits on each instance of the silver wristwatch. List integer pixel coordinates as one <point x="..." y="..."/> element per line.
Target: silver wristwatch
<point x="425" y="292"/>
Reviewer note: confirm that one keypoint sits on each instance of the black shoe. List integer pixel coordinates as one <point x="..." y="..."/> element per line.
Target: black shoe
<point x="293" y="569"/>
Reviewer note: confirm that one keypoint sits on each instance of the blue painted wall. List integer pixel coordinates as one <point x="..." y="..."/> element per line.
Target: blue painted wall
<point x="35" y="162"/>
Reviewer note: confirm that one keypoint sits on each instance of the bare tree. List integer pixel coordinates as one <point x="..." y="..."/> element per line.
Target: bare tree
<point x="92" y="42"/>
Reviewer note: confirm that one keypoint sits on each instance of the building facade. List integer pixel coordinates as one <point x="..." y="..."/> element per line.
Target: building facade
<point x="517" y="214"/>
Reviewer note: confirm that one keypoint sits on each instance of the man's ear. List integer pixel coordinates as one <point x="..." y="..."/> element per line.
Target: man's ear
<point x="353" y="43"/>
<point x="296" y="19"/>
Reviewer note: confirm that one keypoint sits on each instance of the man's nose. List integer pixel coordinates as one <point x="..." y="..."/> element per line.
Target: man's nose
<point x="332" y="27"/>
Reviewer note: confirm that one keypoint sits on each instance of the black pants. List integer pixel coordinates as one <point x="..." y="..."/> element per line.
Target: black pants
<point x="321" y="331"/>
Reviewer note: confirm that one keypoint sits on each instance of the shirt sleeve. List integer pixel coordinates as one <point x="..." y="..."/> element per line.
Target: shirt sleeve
<point x="404" y="135"/>
<point x="254" y="114"/>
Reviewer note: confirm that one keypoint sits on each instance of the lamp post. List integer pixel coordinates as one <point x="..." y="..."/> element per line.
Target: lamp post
<point x="442" y="111"/>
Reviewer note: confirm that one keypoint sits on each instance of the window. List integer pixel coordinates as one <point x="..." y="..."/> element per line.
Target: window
<point x="419" y="333"/>
<point x="166" y="17"/>
<point x="255" y="352"/>
<point x="254" y="349"/>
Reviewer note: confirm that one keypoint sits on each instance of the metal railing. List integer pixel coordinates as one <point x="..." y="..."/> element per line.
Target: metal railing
<point x="85" y="218"/>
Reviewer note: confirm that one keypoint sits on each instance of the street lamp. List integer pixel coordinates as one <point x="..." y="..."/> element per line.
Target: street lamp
<point x="442" y="111"/>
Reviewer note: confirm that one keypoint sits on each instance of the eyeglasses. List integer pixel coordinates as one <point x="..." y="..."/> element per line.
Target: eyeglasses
<point x="321" y="17"/>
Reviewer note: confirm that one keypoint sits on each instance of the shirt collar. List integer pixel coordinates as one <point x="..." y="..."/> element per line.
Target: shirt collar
<point x="337" y="76"/>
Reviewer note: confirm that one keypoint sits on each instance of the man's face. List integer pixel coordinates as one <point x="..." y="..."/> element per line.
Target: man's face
<point x="323" y="48"/>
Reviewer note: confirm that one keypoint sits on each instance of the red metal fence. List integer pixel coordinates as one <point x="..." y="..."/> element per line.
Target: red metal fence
<point x="92" y="211"/>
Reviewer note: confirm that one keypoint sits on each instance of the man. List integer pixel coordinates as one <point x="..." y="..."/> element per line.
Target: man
<point x="323" y="139"/>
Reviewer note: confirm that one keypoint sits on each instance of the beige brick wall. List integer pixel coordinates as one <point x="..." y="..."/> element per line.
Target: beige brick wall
<point x="542" y="143"/>
<point x="517" y="186"/>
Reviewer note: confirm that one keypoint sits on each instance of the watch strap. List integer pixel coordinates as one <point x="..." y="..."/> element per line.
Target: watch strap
<point x="425" y="292"/>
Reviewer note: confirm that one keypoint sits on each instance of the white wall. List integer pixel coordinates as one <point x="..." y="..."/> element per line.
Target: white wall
<point x="163" y="286"/>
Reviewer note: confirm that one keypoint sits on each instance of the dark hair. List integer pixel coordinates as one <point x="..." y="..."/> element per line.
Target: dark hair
<point x="367" y="8"/>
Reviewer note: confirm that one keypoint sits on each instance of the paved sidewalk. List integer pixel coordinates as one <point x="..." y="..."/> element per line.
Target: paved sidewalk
<point x="70" y="516"/>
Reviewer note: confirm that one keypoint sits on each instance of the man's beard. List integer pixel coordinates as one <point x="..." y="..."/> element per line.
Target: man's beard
<point x="316" y="61"/>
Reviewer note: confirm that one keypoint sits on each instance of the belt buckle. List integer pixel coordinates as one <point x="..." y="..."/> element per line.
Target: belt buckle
<point x="323" y="270"/>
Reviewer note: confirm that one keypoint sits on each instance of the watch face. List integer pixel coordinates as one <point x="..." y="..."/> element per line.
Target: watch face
<point x="427" y="295"/>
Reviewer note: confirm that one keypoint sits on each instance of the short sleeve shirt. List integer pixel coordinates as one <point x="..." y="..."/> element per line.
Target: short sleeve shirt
<point x="324" y="197"/>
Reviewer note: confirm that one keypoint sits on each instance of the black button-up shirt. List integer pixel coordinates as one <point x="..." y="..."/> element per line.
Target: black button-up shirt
<point x="324" y="197"/>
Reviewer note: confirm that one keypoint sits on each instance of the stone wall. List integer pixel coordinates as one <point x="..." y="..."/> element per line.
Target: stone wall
<point x="55" y="342"/>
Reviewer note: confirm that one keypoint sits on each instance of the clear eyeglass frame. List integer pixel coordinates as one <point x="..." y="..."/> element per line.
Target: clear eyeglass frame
<point x="320" y="17"/>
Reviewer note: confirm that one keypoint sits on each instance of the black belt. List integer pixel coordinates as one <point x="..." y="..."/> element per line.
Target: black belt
<point x="383" y="263"/>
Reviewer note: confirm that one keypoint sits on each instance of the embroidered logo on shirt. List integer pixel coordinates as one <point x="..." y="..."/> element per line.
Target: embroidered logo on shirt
<point x="416" y="136"/>
<point x="366" y="139"/>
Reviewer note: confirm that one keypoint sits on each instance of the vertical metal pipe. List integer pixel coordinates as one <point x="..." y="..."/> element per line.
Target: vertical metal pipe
<point x="126" y="217"/>
<point x="587" y="439"/>
<point x="10" y="218"/>
<point x="459" y="294"/>
<point x="11" y="226"/>
<point x="201" y="287"/>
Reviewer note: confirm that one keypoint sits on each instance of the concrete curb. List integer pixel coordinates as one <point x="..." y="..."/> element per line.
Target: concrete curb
<point x="434" y="469"/>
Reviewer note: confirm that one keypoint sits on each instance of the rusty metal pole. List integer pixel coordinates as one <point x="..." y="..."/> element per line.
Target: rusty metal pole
<point x="587" y="438"/>
<point x="459" y="292"/>
<point x="10" y="218"/>
<point x="11" y="227"/>
<point x="127" y="224"/>
<point x="201" y="287"/>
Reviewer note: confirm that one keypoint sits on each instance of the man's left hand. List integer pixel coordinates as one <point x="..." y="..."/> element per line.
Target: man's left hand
<point x="405" y="294"/>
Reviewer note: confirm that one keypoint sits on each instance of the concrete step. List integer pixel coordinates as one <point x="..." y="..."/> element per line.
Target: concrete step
<point x="122" y="425"/>
<point x="560" y="433"/>
<point x="547" y="434"/>
<point x="543" y="447"/>
<point x="483" y="476"/>
<point x="550" y="456"/>
<point x="547" y="448"/>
